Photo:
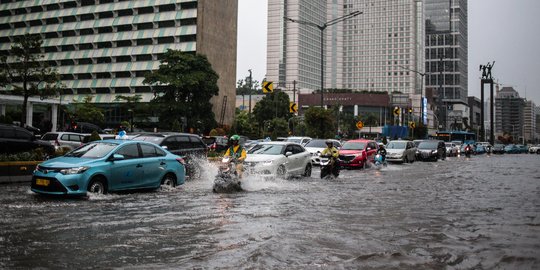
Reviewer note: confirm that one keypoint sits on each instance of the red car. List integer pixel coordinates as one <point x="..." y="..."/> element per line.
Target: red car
<point x="356" y="153"/>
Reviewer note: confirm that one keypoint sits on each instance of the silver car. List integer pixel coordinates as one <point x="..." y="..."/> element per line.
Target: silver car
<point x="400" y="151"/>
<point x="69" y="140"/>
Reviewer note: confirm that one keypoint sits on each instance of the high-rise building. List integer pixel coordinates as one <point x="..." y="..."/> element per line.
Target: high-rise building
<point x="294" y="49"/>
<point x="509" y="109"/>
<point x="104" y="47"/>
<point x="379" y="50"/>
<point x="529" y="121"/>
<point x="446" y="53"/>
<point x="383" y="48"/>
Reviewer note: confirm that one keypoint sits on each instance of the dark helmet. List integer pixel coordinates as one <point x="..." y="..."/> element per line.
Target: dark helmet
<point x="329" y="142"/>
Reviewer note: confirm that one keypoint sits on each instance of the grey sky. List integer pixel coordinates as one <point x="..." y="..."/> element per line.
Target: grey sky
<point x="505" y="31"/>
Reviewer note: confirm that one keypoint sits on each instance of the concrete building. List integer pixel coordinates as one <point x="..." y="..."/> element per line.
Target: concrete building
<point x="375" y="51"/>
<point x="446" y="55"/>
<point x="294" y="49"/>
<point x="529" y="122"/>
<point x="104" y="47"/>
<point x="509" y="108"/>
<point x="475" y="114"/>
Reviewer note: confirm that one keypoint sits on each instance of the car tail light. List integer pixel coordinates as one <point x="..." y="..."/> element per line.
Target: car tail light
<point x="181" y="161"/>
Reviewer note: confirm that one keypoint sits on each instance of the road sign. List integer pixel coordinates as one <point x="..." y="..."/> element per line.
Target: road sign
<point x="412" y="124"/>
<point x="359" y="125"/>
<point x="396" y="111"/>
<point x="268" y="87"/>
<point x="293" y="107"/>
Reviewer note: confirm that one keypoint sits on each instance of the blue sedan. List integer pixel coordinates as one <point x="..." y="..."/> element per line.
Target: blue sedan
<point x="107" y="166"/>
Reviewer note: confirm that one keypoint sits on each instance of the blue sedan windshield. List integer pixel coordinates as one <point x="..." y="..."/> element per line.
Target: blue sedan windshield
<point x="92" y="150"/>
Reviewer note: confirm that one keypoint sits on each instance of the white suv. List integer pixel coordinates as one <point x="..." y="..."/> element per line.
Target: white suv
<point x="534" y="149"/>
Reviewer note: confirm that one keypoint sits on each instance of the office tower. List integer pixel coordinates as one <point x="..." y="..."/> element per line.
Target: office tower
<point x="446" y="53"/>
<point x="509" y="108"/>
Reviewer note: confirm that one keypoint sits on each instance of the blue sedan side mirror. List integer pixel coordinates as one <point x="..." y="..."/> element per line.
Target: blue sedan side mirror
<point x="117" y="157"/>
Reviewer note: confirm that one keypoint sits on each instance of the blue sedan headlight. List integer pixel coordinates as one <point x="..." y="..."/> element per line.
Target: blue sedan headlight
<point x="76" y="170"/>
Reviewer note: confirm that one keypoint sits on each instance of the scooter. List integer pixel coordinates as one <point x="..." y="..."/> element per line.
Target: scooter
<point x="379" y="162"/>
<point x="329" y="167"/>
<point x="227" y="180"/>
<point x="468" y="152"/>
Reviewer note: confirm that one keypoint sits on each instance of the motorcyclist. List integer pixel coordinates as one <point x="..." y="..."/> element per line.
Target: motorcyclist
<point x="468" y="150"/>
<point x="333" y="154"/>
<point x="382" y="151"/>
<point x="237" y="153"/>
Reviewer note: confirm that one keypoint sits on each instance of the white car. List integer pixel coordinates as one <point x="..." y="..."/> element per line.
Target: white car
<point x="534" y="149"/>
<point x="298" y="140"/>
<point x="401" y="151"/>
<point x="316" y="146"/>
<point x="70" y="140"/>
<point x="280" y="159"/>
<point x="452" y="150"/>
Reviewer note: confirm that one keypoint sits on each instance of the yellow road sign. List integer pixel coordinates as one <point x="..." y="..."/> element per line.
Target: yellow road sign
<point x="293" y="107"/>
<point x="268" y="87"/>
<point x="412" y="124"/>
<point x="396" y="111"/>
<point x="359" y="125"/>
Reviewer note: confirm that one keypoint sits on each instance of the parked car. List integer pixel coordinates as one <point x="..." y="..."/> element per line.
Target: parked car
<point x="357" y="153"/>
<point x="400" y="151"/>
<point x="479" y="149"/>
<point x="188" y="146"/>
<point x="487" y="146"/>
<point x="281" y="159"/>
<point x="452" y="150"/>
<point x="84" y="127"/>
<point x="107" y="166"/>
<point x="316" y="146"/>
<point x="298" y="140"/>
<point x="431" y="150"/>
<point x="14" y="139"/>
<point x="522" y="148"/>
<point x="498" y="149"/>
<point x="417" y="142"/>
<point x="220" y="143"/>
<point x="534" y="149"/>
<point x="64" y="139"/>
<point x="511" y="149"/>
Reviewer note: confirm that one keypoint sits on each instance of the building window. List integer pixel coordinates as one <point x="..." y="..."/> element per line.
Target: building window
<point x="125" y="27"/>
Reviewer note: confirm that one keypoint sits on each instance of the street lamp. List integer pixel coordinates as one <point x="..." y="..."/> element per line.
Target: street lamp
<point x="421" y="90"/>
<point x="321" y="28"/>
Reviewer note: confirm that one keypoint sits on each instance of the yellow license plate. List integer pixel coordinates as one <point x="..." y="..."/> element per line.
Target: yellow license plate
<point x="42" y="182"/>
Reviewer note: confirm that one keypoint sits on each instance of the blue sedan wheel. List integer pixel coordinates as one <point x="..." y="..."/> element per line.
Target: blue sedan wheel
<point x="97" y="186"/>
<point x="168" y="180"/>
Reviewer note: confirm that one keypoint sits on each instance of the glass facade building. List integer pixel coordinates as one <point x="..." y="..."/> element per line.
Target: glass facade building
<point x="446" y="49"/>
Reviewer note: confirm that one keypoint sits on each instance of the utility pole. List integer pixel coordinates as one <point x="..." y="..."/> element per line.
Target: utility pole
<point x="250" y="83"/>
<point x="294" y="91"/>
<point x="441" y="67"/>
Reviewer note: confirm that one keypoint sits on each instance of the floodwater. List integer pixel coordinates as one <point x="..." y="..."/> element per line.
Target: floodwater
<point x="477" y="213"/>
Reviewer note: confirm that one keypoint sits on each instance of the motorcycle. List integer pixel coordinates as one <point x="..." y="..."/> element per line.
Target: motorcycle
<point x="468" y="152"/>
<point x="329" y="166"/>
<point x="379" y="162"/>
<point x="227" y="180"/>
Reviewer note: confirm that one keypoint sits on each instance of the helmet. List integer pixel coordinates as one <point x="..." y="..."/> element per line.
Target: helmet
<point x="235" y="138"/>
<point x="329" y="142"/>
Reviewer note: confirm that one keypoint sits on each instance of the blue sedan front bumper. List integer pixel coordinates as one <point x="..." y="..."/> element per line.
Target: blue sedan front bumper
<point x="55" y="183"/>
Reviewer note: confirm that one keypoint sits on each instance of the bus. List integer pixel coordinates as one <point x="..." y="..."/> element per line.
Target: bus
<point x="462" y="136"/>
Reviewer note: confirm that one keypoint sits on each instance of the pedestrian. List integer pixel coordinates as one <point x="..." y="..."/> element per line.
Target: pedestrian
<point x="122" y="135"/>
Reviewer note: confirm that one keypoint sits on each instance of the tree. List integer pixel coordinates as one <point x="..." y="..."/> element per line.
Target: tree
<point x="86" y="111"/>
<point x="319" y="123"/>
<point x="184" y="85"/>
<point x="243" y="87"/>
<point x="274" y="105"/>
<point x="26" y="74"/>
<point x="278" y="128"/>
<point x="243" y="124"/>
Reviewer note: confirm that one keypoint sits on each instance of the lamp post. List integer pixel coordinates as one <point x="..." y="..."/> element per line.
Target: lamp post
<point x="421" y="90"/>
<point x="322" y="28"/>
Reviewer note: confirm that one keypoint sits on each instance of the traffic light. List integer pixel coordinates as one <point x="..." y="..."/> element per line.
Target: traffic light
<point x="410" y="110"/>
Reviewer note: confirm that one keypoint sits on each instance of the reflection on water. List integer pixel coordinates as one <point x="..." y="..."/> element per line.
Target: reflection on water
<point x="464" y="213"/>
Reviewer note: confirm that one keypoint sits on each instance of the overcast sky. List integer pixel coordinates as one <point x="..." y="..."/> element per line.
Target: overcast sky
<point x="505" y="31"/>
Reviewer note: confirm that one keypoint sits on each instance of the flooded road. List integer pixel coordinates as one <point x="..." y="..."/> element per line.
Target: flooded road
<point x="478" y="213"/>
